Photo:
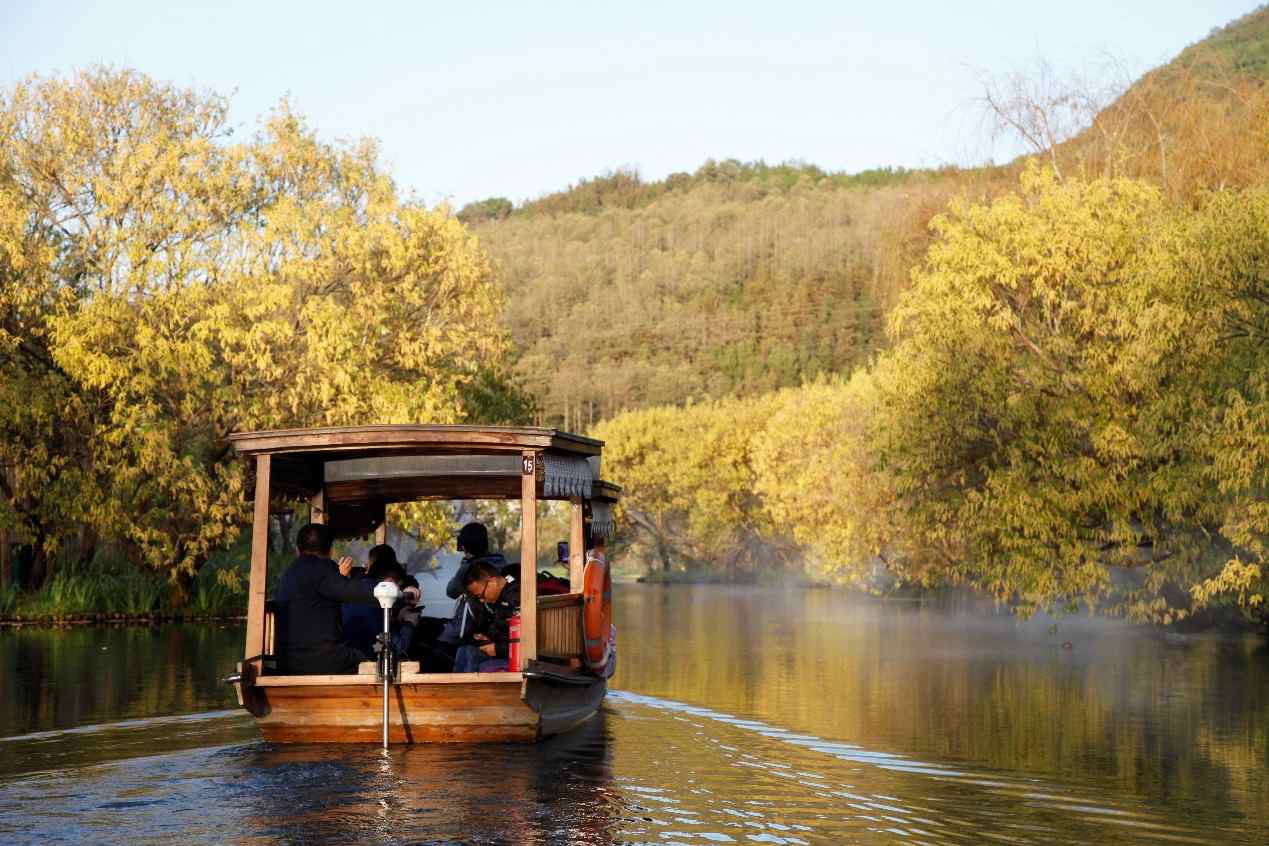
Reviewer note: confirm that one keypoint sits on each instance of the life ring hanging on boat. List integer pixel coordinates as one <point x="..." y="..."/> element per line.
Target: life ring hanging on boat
<point x="596" y="610"/>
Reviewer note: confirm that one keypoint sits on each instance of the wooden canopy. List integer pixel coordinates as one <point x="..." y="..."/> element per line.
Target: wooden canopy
<point x="363" y="467"/>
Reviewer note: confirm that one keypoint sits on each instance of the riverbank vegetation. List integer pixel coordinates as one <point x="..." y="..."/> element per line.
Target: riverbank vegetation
<point x="1045" y="380"/>
<point x="163" y="283"/>
<point x="1073" y="408"/>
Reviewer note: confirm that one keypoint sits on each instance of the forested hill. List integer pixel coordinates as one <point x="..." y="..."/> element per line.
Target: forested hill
<point x="738" y="278"/>
<point x="744" y="277"/>
<point x="1242" y="46"/>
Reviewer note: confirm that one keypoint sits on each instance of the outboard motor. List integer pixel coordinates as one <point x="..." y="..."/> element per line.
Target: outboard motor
<point x="387" y="593"/>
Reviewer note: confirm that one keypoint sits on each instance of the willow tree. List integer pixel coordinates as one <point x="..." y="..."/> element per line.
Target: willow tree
<point x="689" y="480"/>
<point x="1217" y="262"/>
<point x="167" y="285"/>
<point x="821" y="482"/>
<point x="1054" y="401"/>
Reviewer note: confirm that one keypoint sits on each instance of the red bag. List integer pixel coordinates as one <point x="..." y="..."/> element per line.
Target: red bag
<point x="549" y="585"/>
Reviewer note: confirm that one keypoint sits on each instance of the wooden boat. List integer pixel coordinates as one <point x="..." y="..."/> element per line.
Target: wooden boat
<point x="348" y="476"/>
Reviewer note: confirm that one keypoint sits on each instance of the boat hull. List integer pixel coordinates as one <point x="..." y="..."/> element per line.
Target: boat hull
<point x="505" y="711"/>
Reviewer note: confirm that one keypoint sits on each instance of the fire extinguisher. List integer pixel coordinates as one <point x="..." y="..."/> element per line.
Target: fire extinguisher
<point x="513" y="645"/>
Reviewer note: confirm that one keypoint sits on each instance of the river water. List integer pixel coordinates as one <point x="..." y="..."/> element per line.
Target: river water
<point x="736" y="716"/>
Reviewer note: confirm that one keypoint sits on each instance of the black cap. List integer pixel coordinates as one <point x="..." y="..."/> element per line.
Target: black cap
<point x="474" y="539"/>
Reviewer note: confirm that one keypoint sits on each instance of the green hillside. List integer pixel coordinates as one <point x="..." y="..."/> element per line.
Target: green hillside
<point x="736" y="279"/>
<point x="746" y="277"/>
<point x="1242" y="45"/>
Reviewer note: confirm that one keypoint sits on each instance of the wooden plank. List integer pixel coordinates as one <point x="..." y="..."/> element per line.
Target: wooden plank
<point x="412" y="438"/>
<point x="456" y="678"/>
<point x="381" y="533"/>
<point x="313" y="681"/>
<point x="461" y="713"/>
<point x="398" y="735"/>
<point x="560" y="631"/>
<point x="259" y="578"/>
<point x="605" y="490"/>
<point x="559" y="600"/>
<point x="369" y="668"/>
<point x="270" y="632"/>
<point x="576" y="545"/>
<point x="406" y="678"/>
<point x="531" y="470"/>
<point x="411" y="488"/>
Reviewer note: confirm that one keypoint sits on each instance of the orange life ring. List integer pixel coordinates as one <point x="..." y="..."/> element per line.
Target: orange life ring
<point x="596" y="610"/>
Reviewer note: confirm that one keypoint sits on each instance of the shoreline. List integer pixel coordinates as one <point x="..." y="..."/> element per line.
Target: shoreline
<point x="1213" y="623"/>
<point x="115" y="619"/>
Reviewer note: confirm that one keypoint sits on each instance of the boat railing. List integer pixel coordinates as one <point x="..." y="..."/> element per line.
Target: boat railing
<point x="560" y="627"/>
<point x="268" y="658"/>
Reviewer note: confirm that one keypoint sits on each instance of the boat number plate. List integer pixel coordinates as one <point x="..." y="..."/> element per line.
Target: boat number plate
<point x="528" y="465"/>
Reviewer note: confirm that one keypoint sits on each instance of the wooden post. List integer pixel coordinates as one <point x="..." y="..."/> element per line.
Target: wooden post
<point x="259" y="563"/>
<point x="576" y="546"/>
<point x="381" y="533"/>
<point x="529" y="557"/>
<point x="317" y="506"/>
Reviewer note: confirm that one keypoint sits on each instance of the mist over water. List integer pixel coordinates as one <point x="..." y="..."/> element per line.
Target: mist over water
<point x="738" y="715"/>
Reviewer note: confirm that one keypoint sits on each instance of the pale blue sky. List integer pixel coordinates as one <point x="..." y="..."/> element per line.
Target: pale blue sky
<point x="477" y="99"/>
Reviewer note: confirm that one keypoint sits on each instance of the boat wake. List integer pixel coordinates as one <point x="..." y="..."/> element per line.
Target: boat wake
<point x="90" y="745"/>
<point x="870" y="793"/>
<point x="119" y="725"/>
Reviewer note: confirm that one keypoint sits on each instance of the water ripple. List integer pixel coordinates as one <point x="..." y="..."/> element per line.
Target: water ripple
<point x="956" y="805"/>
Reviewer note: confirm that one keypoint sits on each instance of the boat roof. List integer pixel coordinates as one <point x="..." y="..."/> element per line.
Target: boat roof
<point x="413" y="439"/>
<point x="374" y="465"/>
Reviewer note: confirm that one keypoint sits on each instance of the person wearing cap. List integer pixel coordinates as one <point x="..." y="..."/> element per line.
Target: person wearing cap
<point x="469" y="615"/>
<point x="473" y="543"/>
<point x="499" y="598"/>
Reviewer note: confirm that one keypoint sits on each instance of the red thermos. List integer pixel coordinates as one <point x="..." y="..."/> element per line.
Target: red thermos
<point x="513" y="647"/>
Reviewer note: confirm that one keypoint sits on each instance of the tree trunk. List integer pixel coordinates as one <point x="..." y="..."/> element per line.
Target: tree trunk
<point x="88" y="541"/>
<point x="6" y="558"/>
<point x="41" y="565"/>
<point x="182" y="589"/>
<point x="663" y="548"/>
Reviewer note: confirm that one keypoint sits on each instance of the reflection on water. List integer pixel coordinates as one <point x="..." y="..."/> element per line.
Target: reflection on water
<point x="60" y="678"/>
<point x="740" y="716"/>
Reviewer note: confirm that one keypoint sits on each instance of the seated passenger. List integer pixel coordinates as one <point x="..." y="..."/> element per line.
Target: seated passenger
<point x="498" y="597"/>
<point x="473" y="543"/>
<point x="362" y="623"/>
<point x="312" y="589"/>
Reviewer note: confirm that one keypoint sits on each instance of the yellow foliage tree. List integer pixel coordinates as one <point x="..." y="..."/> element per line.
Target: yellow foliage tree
<point x="174" y="286"/>
<point x="1075" y="407"/>
<point x="821" y="483"/>
<point x="1058" y="385"/>
<point x="689" y="483"/>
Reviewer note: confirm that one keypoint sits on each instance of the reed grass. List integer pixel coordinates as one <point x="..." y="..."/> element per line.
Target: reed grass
<point x="131" y="594"/>
<point x="8" y="600"/>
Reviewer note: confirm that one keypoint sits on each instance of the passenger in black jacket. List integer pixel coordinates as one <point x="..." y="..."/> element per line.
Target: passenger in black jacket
<point x="498" y="598"/>
<point x="312" y="590"/>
